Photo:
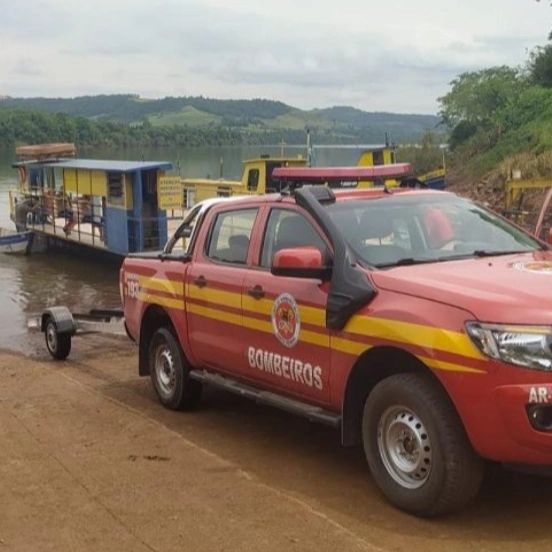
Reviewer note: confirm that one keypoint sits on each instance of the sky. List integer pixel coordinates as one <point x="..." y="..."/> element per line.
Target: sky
<point x="392" y="55"/>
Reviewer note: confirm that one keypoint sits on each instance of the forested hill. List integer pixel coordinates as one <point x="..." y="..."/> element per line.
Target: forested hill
<point x="248" y="117"/>
<point x="500" y="118"/>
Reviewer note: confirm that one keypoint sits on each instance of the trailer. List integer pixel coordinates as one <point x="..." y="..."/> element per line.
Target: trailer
<point x="60" y="325"/>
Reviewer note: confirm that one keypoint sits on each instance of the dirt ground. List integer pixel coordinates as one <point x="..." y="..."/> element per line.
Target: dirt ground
<point x="90" y="461"/>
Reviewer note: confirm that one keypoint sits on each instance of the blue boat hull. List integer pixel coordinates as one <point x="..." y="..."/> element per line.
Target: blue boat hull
<point x="437" y="183"/>
<point x="14" y="243"/>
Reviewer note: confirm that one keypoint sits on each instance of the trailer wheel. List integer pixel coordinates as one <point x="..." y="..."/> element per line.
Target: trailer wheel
<point x="417" y="448"/>
<point x="58" y="345"/>
<point x="169" y="372"/>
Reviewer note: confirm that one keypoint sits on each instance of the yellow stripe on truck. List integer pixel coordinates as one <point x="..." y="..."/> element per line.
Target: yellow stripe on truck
<point x="448" y="366"/>
<point x="402" y="332"/>
<point x="406" y="333"/>
<point x="349" y="347"/>
<point x="162" y="301"/>
<point x="305" y="336"/>
<point x="428" y="337"/>
<point x="309" y="315"/>
<point x="224" y="298"/>
<point x="215" y="314"/>
<point x="265" y="326"/>
<point x="162" y="284"/>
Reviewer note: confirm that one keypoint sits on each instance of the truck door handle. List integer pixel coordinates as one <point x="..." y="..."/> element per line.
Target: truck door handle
<point x="200" y="281"/>
<point x="256" y="292"/>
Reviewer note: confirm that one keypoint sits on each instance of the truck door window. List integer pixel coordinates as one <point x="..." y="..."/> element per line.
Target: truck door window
<point x="230" y="236"/>
<point x="285" y="229"/>
<point x="252" y="180"/>
<point x="182" y="239"/>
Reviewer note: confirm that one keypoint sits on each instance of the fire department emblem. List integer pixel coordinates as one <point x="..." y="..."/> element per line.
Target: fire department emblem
<point x="543" y="267"/>
<point x="286" y="320"/>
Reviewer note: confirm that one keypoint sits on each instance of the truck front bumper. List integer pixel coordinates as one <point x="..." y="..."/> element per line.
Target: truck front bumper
<point x="525" y="412"/>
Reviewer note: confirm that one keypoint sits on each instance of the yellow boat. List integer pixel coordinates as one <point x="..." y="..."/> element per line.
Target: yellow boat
<point x="256" y="179"/>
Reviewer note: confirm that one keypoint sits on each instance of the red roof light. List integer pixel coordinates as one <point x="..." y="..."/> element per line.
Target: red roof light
<point x="333" y="174"/>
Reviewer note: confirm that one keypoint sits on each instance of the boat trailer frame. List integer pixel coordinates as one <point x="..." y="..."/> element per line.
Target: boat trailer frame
<point x="60" y="325"/>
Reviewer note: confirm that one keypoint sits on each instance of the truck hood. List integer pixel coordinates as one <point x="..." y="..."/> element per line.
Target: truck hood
<point x="515" y="289"/>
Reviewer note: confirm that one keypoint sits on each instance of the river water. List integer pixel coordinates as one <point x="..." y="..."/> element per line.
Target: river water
<point x="30" y="284"/>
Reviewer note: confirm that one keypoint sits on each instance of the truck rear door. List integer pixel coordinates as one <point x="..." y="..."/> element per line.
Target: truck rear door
<point x="213" y="288"/>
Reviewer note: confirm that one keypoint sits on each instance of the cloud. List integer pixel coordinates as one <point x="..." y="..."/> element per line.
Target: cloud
<point x="395" y="55"/>
<point x="26" y="67"/>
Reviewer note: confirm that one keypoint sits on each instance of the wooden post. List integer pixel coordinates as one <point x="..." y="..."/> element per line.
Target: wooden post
<point x="78" y="209"/>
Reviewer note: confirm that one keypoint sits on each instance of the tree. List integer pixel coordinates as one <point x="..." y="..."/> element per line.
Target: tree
<point x="481" y="102"/>
<point x="479" y="97"/>
<point x="540" y="66"/>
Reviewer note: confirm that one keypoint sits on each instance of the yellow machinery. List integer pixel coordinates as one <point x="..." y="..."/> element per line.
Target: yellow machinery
<point x="515" y="191"/>
<point x="386" y="155"/>
<point x="376" y="156"/>
<point x="256" y="179"/>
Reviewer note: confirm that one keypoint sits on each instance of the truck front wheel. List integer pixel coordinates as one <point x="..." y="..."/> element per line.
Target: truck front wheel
<point x="169" y="372"/>
<point x="417" y="448"/>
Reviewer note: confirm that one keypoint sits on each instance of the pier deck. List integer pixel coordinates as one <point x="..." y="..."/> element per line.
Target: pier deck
<point x="85" y="233"/>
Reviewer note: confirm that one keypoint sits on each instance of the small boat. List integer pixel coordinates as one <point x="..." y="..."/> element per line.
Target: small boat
<point x="435" y="179"/>
<point x="14" y="242"/>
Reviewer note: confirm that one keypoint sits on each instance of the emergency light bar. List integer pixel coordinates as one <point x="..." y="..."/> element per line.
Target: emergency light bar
<point x="339" y="174"/>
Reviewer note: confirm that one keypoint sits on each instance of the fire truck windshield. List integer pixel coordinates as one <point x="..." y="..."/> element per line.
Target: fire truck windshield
<point x="403" y="229"/>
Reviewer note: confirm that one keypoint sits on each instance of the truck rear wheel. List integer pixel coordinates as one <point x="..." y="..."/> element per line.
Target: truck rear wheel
<point x="169" y="372"/>
<point x="416" y="447"/>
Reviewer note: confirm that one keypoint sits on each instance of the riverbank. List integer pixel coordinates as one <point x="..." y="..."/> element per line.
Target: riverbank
<point x="89" y="460"/>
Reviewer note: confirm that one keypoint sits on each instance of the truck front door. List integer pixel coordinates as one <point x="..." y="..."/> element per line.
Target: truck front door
<point x="287" y="342"/>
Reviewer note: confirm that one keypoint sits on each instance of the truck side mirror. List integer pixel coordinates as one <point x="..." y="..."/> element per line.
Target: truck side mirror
<point x="300" y="262"/>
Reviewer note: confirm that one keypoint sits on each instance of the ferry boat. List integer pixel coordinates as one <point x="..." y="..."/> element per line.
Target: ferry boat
<point x="108" y="205"/>
<point x="256" y="179"/>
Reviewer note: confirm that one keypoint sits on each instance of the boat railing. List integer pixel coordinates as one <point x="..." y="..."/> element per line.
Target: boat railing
<point x="150" y="233"/>
<point x="82" y="219"/>
<point x="68" y="216"/>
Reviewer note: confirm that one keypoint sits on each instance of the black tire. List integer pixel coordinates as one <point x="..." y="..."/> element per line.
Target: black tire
<point x="169" y="372"/>
<point x="58" y="345"/>
<point x="416" y="447"/>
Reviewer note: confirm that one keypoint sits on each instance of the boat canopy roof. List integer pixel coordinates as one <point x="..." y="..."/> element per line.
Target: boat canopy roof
<point x="337" y="174"/>
<point x="101" y="165"/>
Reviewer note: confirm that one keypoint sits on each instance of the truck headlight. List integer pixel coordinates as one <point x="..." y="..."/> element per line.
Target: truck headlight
<point x="527" y="346"/>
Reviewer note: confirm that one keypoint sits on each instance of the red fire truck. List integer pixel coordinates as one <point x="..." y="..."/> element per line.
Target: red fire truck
<point x="415" y="321"/>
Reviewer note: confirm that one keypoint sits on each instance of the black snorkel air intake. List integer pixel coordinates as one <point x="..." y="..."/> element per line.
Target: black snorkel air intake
<point x="350" y="289"/>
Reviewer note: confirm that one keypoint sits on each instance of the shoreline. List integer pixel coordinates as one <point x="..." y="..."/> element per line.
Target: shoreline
<point x="90" y="460"/>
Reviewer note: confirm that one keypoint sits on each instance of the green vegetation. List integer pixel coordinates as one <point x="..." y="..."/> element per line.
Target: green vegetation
<point x="186" y="116"/>
<point x="424" y="157"/>
<point x="122" y="120"/>
<point x="499" y="112"/>
<point x="19" y="126"/>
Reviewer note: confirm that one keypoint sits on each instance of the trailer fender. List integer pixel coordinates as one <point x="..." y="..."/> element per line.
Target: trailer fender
<point x="63" y="319"/>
